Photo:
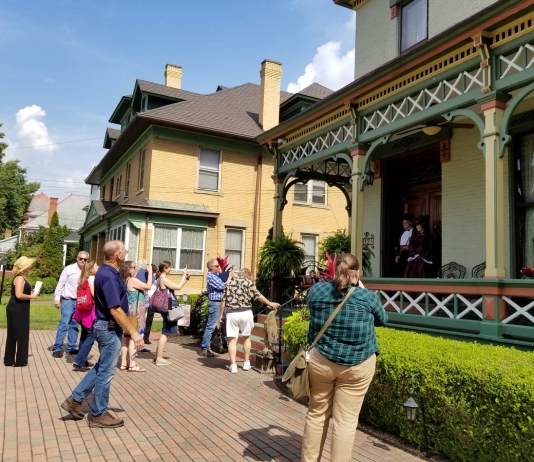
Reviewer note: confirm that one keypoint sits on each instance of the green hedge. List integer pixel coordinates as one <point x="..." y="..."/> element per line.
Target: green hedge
<point x="198" y="317"/>
<point x="48" y="287"/>
<point x="478" y="399"/>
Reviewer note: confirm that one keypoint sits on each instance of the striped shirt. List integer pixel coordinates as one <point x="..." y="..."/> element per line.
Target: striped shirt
<point x="214" y="287"/>
<point x="350" y="339"/>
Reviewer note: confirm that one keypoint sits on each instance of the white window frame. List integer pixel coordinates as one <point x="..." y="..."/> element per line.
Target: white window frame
<point x="402" y="13"/>
<point x="316" y="239"/>
<point x="209" y="170"/>
<point x="118" y="229"/>
<point x="118" y="186"/>
<point x="242" y="262"/>
<point x="176" y="264"/>
<point x="309" y="194"/>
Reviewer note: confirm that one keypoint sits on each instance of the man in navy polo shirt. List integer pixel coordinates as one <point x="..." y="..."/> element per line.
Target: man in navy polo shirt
<point x="111" y="306"/>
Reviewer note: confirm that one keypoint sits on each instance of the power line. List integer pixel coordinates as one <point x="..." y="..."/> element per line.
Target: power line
<point x="53" y="144"/>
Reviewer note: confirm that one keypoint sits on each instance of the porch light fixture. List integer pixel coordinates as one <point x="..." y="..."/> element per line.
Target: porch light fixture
<point x="281" y="140"/>
<point x="432" y="128"/>
<point x="410" y="405"/>
<point x="369" y="177"/>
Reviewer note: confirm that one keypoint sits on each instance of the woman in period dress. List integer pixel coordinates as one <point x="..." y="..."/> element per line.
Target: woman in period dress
<point x="18" y="315"/>
<point x="420" y="256"/>
<point x="135" y="288"/>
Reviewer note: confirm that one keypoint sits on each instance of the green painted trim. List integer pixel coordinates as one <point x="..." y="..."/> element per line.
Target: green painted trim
<point x="317" y="157"/>
<point x="511" y="45"/>
<point x="191" y="222"/>
<point x="314" y="135"/>
<point x="509" y="283"/>
<point x="365" y="165"/>
<point x="409" y="143"/>
<point x="516" y="81"/>
<point x="419" y="117"/>
<point x="208" y="141"/>
<point x="128" y="155"/>
<point x="116" y="116"/>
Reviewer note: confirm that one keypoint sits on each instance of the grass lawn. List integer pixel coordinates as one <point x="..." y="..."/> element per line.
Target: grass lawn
<point x="45" y="316"/>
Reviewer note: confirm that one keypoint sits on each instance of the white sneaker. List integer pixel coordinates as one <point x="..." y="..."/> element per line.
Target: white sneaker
<point x="246" y="366"/>
<point x="233" y="368"/>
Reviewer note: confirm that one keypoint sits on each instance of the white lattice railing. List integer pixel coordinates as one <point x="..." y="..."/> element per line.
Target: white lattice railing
<point x="317" y="144"/>
<point x="428" y="304"/>
<point x="518" y="60"/>
<point x="443" y="91"/>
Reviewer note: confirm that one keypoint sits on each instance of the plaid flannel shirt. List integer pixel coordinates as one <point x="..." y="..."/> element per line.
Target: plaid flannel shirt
<point x="214" y="287"/>
<point x="350" y="339"/>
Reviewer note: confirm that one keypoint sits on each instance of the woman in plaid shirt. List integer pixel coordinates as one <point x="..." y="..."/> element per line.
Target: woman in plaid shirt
<point x="342" y="364"/>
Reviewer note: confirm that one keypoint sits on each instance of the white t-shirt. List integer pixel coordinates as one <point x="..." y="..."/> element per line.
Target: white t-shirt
<point x="406" y="235"/>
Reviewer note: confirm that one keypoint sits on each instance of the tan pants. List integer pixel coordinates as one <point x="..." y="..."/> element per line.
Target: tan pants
<point x="336" y="392"/>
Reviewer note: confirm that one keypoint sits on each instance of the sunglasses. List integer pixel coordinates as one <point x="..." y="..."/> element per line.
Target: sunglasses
<point x="83" y="259"/>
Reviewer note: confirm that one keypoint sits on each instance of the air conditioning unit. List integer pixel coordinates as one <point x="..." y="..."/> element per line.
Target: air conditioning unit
<point x="125" y="194"/>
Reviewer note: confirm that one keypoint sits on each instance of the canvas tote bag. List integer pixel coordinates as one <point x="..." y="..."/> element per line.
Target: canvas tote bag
<point x="296" y="375"/>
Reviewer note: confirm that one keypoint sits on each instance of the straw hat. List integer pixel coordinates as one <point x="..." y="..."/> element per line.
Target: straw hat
<point x="21" y="264"/>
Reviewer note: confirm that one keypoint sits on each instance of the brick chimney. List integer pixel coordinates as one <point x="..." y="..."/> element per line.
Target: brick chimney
<point x="271" y="78"/>
<point x="52" y="208"/>
<point x="8" y="234"/>
<point x="173" y="76"/>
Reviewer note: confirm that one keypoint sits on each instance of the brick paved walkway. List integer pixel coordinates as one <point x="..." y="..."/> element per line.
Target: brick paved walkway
<point x="193" y="410"/>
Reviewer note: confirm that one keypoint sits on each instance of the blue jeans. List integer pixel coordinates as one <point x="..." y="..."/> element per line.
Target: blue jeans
<point x="66" y="323"/>
<point x="214" y="314"/>
<point x="86" y="343"/>
<point x="99" y="377"/>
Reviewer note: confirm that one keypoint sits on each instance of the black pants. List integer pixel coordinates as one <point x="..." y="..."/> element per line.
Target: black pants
<point x="149" y="319"/>
<point x="18" y="334"/>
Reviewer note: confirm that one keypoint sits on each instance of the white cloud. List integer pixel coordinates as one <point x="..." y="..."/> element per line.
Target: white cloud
<point x="328" y="67"/>
<point x="31" y="130"/>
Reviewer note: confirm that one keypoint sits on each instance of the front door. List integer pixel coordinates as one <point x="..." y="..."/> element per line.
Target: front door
<point x="411" y="184"/>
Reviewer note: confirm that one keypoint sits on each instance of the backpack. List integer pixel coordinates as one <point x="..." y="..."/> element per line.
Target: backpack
<point x="84" y="298"/>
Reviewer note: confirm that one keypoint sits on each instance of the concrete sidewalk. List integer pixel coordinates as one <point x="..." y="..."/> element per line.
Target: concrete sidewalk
<point x="193" y="410"/>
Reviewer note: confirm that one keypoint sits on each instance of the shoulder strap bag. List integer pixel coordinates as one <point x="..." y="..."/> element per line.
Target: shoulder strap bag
<point x="160" y="299"/>
<point x="296" y="375"/>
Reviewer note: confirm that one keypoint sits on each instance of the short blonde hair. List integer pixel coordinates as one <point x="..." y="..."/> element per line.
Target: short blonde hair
<point x="245" y="273"/>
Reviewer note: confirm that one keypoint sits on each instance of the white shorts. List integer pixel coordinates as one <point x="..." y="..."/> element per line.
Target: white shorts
<point x="242" y="321"/>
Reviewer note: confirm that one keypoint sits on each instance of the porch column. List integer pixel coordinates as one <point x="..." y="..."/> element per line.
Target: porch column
<point x="278" y="199"/>
<point x="494" y="176"/>
<point x="356" y="219"/>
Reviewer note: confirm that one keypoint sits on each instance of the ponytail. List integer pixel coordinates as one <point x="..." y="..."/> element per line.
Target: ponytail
<point x="347" y="264"/>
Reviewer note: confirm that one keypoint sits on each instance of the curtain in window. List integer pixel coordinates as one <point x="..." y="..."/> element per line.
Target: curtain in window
<point x="192" y="248"/>
<point x="234" y="247"/>
<point x="300" y="193"/>
<point x="319" y="193"/>
<point x="133" y="243"/>
<point x="208" y="175"/>
<point x="309" y="244"/>
<point x="414" y="25"/>
<point x="165" y="239"/>
<point x="527" y="191"/>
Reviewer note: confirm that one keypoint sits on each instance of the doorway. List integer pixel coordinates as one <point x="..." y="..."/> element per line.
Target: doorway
<point x="411" y="184"/>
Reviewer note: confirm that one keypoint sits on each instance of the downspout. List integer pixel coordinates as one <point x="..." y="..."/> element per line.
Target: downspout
<point x="255" y="236"/>
<point x="145" y="252"/>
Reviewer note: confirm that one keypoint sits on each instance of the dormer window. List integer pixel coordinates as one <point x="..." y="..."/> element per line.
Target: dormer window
<point x="414" y="23"/>
<point x="144" y="103"/>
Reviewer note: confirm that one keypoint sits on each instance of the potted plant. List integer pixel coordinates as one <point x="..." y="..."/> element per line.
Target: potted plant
<point x="279" y="258"/>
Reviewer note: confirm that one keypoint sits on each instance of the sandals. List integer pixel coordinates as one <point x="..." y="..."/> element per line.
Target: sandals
<point x="136" y="368"/>
<point x="123" y="368"/>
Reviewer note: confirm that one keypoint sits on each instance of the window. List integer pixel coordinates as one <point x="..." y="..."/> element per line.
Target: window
<point x="118" y="233"/>
<point x="414" y="23"/>
<point x="111" y="189"/>
<point x="524" y="201"/>
<point x="103" y="193"/>
<point x="233" y="247"/>
<point x="144" y="103"/>
<point x="309" y="244"/>
<point x="313" y="192"/>
<point x="208" y="169"/>
<point x="140" y="180"/>
<point x="128" y="173"/>
<point x="183" y="247"/>
<point x="133" y="243"/>
<point x="119" y="186"/>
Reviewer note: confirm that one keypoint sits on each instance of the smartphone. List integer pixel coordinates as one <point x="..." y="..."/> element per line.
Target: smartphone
<point x="37" y="287"/>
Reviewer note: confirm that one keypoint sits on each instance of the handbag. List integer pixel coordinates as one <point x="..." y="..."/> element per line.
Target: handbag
<point x="160" y="299"/>
<point x="218" y="345"/>
<point x="296" y="375"/>
<point x="176" y="313"/>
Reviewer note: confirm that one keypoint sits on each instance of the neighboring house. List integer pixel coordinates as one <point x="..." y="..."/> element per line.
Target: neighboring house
<point x="185" y="180"/>
<point x="71" y="212"/>
<point x="8" y="243"/>
<point x="441" y="116"/>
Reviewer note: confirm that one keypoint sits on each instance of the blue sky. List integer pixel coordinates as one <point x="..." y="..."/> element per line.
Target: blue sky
<point x="65" y="64"/>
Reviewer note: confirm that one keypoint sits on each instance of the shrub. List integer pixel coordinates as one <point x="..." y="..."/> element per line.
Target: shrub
<point x="296" y="331"/>
<point x="478" y="400"/>
<point x="48" y="287"/>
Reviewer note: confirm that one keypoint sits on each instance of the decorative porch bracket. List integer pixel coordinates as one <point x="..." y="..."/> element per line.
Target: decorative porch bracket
<point x="449" y="117"/>
<point x="507" y="116"/>
<point x="374" y="145"/>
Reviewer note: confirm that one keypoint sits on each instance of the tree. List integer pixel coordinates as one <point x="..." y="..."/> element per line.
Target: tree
<point x="52" y="255"/>
<point x="15" y="192"/>
<point x="336" y="243"/>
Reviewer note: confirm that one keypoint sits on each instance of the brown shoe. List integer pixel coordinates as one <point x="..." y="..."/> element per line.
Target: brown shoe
<point x="73" y="408"/>
<point x="207" y="354"/>
<point x="105" y="420"/>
